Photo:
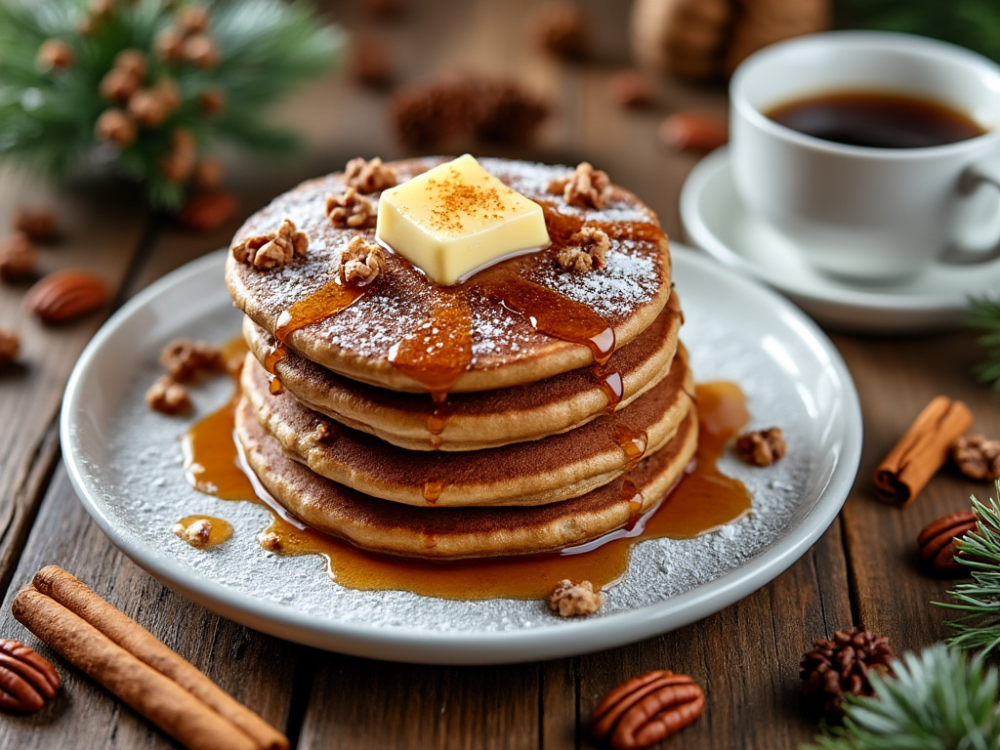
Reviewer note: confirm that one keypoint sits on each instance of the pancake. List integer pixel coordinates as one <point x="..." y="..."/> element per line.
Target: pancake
<point x="545" y="471"/>
<point x="455" y="533"/>
<point x="474" y="421"/>
<point x="625" y="296"/>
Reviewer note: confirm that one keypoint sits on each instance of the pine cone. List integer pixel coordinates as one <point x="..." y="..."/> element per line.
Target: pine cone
<point x="841" y="665"/>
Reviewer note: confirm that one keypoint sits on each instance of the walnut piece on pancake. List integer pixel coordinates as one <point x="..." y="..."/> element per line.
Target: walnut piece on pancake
<point x="167" y="396"/>
<point x="586" y="187"/>
<point x="762" y="447"/>
<point x="185" y="359"/>
<point x="349" y="210"/>
<point x="569" y="599"/>
<point x="977" y="456"/>
<point x="274" y="249"/>
<point x="360" y="262"/>
<point x="585" y="251"/>
<point x="197" y="533"/>
<point x="369" y="176"/>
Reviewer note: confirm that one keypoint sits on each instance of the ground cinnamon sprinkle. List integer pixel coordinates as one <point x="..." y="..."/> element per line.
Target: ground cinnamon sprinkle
<point x="454" y="199"/>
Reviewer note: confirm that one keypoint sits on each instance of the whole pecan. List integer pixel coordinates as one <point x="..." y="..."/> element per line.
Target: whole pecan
<point x="66" y="295"/>
<point x="648" y="709"/>
<point x="26" y="679"/>
<point x="936" y="543"/>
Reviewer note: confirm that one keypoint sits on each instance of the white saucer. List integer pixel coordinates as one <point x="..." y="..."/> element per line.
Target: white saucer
<point x="716" y="220"/>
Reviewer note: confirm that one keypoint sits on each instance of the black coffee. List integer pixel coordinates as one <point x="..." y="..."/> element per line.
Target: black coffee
<point x="876" y="120"/>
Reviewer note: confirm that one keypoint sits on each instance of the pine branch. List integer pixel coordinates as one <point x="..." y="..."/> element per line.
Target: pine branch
<point x="984" y="315"/>
<point x="980" y="598"/>
<point x="935" y="701"/>
<point x="48" y="118"/>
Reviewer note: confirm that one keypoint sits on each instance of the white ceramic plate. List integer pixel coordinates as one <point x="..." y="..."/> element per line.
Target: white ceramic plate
<point x="716" y="220"/>
<point x="125" y="462"/>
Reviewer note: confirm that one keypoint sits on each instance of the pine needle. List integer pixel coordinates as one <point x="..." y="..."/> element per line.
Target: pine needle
<point x="984" y="315"/>
<point x="979" y="598"/>
<point x="937" y="700"/>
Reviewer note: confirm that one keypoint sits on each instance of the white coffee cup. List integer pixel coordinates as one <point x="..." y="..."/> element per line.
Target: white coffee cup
<point x="870" y="214"/>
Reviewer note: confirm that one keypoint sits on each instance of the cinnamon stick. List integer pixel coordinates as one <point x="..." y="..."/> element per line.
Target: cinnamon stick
<point x="152" y="694"/>
<point x="922" y="450"/>
<point x="80" y="599"/>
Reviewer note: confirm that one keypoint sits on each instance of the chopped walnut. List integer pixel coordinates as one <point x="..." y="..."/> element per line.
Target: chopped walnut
<point x="185" y="359"/>
<point x="569" y="598"/>
<point x="561" y="29"/>
<point x="350" y="210"/>
<point x="17" y="256"/>
<point x="168" y="397"/>
<point x="10" y="345"/>
<point x="977" y="457"/>
<point x="360" y="262"/>
<point x="586" y="187"/>
<point x="585" y="251"/>
<point x="763" y="447"/>
<point x="322" y="433"/>
<point x="38" y="223"/>
<point x="369" y="176"/>
<point x="197" y="533"/>
<point x="274" y="249"/>
<point x="270" y="541"/>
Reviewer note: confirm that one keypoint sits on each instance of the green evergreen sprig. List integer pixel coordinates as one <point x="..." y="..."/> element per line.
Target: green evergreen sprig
<point x="937" y="700"/>
<point x="49" y="114"/>
<point x="979" y="598"/>
<point x="984" y="315"/>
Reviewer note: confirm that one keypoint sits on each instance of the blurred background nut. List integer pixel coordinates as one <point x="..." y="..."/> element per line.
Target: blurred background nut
<point x="10" y="345"/>
<point x="17" y="257"/>
<point x="38" y="223"/>
<point x="693" y="131"/>
<point x="630" y="88"/>
<point x="560" y="28"/>
<point x="66" y="295"/>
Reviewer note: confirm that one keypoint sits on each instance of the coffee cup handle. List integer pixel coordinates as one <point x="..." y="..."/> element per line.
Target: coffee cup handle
<point x="970" y="181"/>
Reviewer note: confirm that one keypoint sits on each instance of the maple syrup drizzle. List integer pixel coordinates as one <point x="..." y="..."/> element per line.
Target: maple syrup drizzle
<point x="439" y="350"/>
<point x="703" y="501"/>
<point x="634" y="497"/>
<point x="632" y="442"/>
<point x="221" y="530"/>
<point x="432" y="490"/>
<point x="324" y="303"/>
<point x="612" y="386"/>
<point x="551" y="313"/>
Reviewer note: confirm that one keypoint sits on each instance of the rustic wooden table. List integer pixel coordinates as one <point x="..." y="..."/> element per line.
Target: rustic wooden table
<point x="862" y="571"/>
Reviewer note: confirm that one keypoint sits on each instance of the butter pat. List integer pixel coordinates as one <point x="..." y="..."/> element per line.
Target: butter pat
<point x="458" y="218"/>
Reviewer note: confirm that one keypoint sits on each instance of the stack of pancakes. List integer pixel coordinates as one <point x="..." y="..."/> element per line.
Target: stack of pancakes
<point x="543" y="441"/>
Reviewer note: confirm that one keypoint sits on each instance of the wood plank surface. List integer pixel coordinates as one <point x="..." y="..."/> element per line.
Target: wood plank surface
<point x="861" y="571"/>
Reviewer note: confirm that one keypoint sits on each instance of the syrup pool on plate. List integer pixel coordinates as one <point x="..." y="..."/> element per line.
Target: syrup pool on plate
<point x="703" y="501"/>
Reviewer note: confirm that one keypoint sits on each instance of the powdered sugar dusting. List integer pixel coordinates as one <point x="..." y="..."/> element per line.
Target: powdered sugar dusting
<point x="395" y="307"/>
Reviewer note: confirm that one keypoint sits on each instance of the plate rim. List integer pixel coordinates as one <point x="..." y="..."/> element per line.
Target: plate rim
<point x="476" y="648"/>
<point x="705" y="237"/>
